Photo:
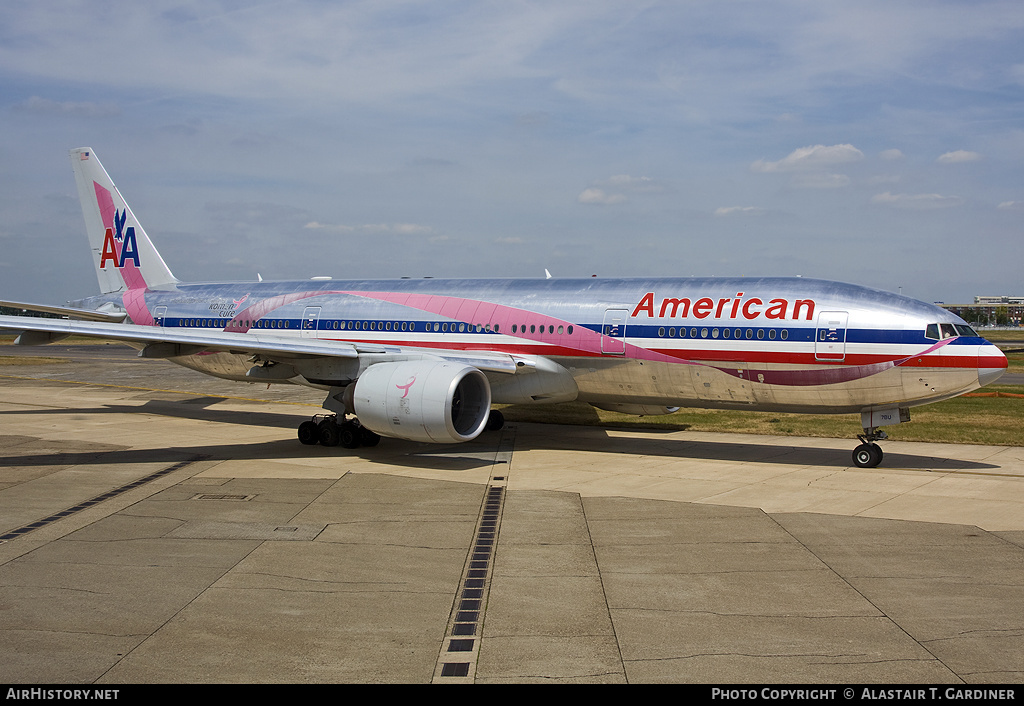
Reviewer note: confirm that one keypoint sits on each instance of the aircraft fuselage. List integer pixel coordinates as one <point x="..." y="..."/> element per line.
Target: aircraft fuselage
<point x="776" y="344"/>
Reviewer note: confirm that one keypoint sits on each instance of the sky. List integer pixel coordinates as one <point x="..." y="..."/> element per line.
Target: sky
<point x="873" y="142"/>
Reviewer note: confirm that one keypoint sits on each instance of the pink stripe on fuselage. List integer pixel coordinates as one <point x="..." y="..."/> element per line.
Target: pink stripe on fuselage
<point x="479" y="313"/>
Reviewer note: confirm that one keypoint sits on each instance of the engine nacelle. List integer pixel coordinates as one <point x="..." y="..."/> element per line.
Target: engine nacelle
<point x="640" y="410"/>
<point x="418" y="400"/>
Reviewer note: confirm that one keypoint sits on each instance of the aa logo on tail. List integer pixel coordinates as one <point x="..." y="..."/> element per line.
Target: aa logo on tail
<point x="126" y="237"/>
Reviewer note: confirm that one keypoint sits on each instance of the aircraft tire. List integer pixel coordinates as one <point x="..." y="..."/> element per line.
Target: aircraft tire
<point x="367" y="437"/>
<point x="867" y="456"/>
<point x="495" y="421"/>
<point x="349" y="436"/>
<point x="329" y="433"/>
<point x="309" y="433"/>
<point x="878" y="454"/>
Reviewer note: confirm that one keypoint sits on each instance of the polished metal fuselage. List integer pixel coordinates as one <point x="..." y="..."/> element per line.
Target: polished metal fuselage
<point x="781" y="344"/>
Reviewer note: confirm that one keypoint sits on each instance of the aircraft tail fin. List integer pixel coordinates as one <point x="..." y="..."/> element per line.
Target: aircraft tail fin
<point x="123" y="254"/>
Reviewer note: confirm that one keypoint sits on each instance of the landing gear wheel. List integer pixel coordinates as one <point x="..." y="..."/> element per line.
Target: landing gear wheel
<point x="349" y="435"/>
<point x="330" y="435"/>
<point x="309" y="433"/>
<point x="495" y="421"/>
<point x="867" y="456"/>
<point x="367" y="437"/>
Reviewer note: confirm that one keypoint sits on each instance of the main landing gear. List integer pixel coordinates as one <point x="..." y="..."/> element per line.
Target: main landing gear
<point x="326" y="430"/>
<point x="869" y="454"/>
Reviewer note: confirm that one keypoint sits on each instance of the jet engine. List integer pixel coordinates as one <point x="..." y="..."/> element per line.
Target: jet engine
<point x="422" y="400"/>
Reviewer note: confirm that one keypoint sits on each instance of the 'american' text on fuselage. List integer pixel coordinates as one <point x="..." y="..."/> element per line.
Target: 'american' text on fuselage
<point x="703" y="308"/>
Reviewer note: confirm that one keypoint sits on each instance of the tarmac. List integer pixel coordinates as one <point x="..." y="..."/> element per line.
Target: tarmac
<point x="163" y="527"/>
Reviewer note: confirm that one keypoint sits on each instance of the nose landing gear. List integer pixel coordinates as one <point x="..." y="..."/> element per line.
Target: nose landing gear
<point x="869" y="454"/>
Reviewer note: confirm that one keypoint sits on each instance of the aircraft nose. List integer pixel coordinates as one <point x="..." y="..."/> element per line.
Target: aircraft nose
<point x="991" y="364"/>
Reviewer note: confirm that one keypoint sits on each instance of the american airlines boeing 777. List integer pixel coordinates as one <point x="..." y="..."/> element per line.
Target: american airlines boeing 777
<point x="425" y="359"/>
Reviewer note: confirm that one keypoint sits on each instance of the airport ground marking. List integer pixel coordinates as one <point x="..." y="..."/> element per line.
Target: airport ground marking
<point x="86" y="504"/>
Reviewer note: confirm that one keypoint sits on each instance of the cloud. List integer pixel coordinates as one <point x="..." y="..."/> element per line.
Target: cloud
<point x="35" y="104"/>
<point x="615" y="189"/>
<point x="920" y="202"/>
<point x="408" y="229"/>
<point x="810" y="158"/>
<point x="734" y="211"/>
<point x="627" y="180"/>
<point x="397" y="228"/>
<point x="314" y="225"/>
<point x="958" y="156"/>
<point x="598" y="196"/>
<point x="1011" y="206"/>
<point x="891" y="155"/>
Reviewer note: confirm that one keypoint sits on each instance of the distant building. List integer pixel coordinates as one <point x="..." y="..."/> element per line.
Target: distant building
<point x="999" y="300"/>
<point x="991" y="311"/>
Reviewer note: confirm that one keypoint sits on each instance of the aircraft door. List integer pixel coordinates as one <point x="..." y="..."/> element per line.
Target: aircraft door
<point x="310" y="320"/>
<point x="613" y="329"/>
<point x="830" y="337"/>
<point x="159" y="314"/>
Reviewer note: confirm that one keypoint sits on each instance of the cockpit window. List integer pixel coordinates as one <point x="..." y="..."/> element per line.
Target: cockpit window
<point x="937" y="331"/>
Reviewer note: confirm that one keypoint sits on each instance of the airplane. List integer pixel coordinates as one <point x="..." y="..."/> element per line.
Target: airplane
<point x="425" y="359"/>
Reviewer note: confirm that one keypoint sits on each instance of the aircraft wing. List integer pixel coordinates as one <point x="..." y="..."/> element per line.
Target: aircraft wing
<point x="164" y="343"/>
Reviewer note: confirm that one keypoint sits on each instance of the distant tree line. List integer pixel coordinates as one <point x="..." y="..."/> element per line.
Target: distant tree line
<point x="980" y="316"/>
